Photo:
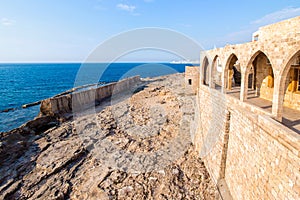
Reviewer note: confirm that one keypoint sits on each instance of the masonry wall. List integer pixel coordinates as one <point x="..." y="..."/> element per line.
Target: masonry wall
<point x="291" y="98"/>
<point x="83" y="99"/>
<point x="263" y="78"/>
<point x="257" y="157"/>
<point x="209" y="139"/>
<point x="192" y="74"/>
<point x="281" y="32"/>
<point x="262" y="158"/>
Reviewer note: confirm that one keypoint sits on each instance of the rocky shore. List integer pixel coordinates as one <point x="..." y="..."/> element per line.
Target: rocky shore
<point x="131" y="146"/>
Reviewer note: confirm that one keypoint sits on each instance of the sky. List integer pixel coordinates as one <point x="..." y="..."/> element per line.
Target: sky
<point x="69" y="31"/>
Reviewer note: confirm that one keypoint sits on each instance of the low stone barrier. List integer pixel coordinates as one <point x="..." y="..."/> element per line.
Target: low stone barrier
<point x="83" y="99"/>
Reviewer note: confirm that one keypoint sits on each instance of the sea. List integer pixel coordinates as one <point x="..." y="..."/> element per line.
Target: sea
<point x="22" y="84"/>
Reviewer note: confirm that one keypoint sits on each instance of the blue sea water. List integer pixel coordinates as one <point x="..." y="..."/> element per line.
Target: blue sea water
<point x="26" y="83"/>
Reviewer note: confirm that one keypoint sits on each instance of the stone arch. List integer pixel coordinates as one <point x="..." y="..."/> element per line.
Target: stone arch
<point x="287" y="65"/>
<point x="289" y="82"/>
<point x="217" y="72"/>
<point x="205" y="69"/>
<point x="232" y="72"/>
<point x="260" y="75"/>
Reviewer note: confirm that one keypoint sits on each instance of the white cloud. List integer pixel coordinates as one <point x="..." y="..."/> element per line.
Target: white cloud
<point x="7" y="22"/>
<point x="278" y="16"/>
<point x="126" y="7"/>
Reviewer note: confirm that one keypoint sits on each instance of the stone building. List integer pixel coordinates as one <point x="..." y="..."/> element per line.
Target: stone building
<point x="192" y="78"/>
<point x="248" y="98"/>
<point x="269" y="65"/>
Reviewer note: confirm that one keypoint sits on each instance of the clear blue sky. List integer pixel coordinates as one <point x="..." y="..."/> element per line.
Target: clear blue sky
<point x="61" y="30"/>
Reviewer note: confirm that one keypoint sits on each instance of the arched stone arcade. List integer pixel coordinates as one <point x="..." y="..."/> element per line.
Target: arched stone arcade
<point x="264" y="72"/>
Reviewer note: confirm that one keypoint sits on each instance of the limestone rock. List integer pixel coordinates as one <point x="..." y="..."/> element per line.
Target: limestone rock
<point x="134" y="147"/>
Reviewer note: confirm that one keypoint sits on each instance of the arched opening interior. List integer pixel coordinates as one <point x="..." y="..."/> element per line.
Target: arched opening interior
<point x="260" y="81"/>
<point x="292" y="84"/>
<point x="233" y="76"/>
<point x="261" y="77"/>
<point x="233" y="73"/>
<point x="217" y="73"/>
<point x="291" y="100"/>
<point x="205" y="71"/>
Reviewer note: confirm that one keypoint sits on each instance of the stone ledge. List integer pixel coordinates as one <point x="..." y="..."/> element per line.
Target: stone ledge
<point x="285" y="136"/>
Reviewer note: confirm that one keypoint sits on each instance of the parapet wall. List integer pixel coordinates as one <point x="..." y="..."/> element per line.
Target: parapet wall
<point x="83" y="99"/>
<point x="256" y="156"/>
<point x="281" y="32"/>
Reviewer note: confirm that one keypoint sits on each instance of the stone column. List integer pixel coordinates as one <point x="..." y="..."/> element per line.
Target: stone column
<point x="223" y="90"/>
<point x="253" y="82"/>
<point x="210" y="72"/>
<point x="278" y="96"/>
<point x="229" y="79"/>
<point x="244" y="85"/>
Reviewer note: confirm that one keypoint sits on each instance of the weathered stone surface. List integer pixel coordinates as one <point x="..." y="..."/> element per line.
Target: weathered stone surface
<point x="133" y="147"/>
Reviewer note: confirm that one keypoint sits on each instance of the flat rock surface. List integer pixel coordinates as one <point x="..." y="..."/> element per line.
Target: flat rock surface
<point x="136" y="145"/>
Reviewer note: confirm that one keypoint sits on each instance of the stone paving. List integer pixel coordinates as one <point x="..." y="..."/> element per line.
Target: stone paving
<point x="291" y="117"/>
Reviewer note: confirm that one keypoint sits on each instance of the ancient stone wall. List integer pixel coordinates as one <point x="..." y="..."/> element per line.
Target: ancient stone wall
<point x="83" y="99"/>
<point x="256" y="156"/>
<point x="291" y="100"/>
<point x="291" y="97"/>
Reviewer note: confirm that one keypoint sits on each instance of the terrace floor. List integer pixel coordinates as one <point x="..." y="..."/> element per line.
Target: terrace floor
<point x="291" y="117"/>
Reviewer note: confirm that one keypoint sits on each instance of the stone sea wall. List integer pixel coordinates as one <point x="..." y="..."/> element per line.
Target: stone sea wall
<point x="243" y="147"/>
<point x="82" y="99"/>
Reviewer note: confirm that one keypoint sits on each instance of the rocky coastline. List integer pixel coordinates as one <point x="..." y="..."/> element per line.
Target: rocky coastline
<point x="134" y="145"/>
